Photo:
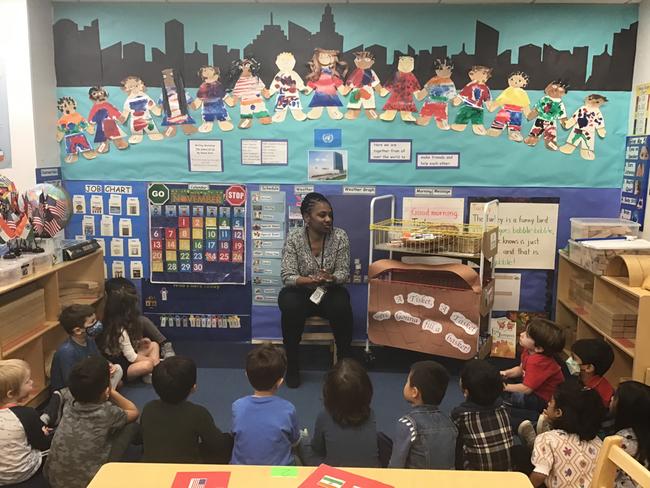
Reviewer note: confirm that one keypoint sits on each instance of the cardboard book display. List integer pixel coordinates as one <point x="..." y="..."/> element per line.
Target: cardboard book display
<point x="432" y="309"/>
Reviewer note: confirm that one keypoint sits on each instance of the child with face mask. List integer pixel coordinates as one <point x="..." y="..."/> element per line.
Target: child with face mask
<point x="590" y="360"/>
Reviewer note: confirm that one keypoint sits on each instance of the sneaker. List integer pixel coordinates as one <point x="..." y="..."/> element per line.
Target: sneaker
<point x="167" y="350"/>
<point x="52" y="414"/>
<point x="543" y="425"/>
<point x="147" y="379"/>
<point x="527" y="433"/>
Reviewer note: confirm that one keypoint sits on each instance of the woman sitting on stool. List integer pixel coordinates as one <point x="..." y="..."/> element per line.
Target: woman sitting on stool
<point x="315" y="260"/>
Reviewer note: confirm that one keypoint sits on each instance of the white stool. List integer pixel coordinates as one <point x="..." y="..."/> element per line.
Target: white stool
<point x="320" y="336"/>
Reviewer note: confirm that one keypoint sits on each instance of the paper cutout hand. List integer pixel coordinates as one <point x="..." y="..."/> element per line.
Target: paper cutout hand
<point x="230" y="100"/>
<point x="156" y="110"/>
<point x="384" y="91"/>
<point x="266" y="93"/>
<point x="601" y="132"/>
<point x="420" y="94"/>
<point x="90" y="129"/>
<point x="196" y="104"/>
<point x="532" y="114"/>
<point x="307" y="90"/>
<point x="59" y="135"/>
<point x="345" y="89"/>
<point x="456" y="101"/>
<point x="491" y="105"/>
<point x="568" y="123"/>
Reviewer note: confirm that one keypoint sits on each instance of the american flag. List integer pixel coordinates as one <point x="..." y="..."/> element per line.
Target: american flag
<point x="198" y="483"/>
<point x="56" y="207"/>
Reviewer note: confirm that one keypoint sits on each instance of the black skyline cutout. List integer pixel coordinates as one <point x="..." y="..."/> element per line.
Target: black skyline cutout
<point x="80" y="61"/>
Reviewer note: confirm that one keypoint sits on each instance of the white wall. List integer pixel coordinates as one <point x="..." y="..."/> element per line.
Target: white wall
<point x="31" y="87"/>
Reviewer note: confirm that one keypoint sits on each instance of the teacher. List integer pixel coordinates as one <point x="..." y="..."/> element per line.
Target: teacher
<point x="315" y="265"/>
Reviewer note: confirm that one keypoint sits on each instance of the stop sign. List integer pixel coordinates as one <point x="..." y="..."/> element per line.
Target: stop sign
<point x="236" y="195"/>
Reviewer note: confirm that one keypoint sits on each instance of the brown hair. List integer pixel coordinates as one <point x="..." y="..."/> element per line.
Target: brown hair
<point x="347" y="392"/>
<point x="265" y="365"/>
<point x="547" y="335"/>
<point x="316" y="67"/>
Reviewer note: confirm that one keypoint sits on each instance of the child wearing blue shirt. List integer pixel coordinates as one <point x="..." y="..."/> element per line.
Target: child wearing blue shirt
<point x="265" y="426"/>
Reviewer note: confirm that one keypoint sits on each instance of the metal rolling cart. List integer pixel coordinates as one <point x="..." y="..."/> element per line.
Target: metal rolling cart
<point x="474" y="244"/>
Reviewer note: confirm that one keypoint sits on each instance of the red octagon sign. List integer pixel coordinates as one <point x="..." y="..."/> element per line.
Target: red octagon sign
<point x="236" y="195"/>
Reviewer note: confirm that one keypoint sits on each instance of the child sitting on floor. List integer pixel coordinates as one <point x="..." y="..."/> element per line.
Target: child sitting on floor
<point x="93" y="427"/>
<point x="265" y="426"/>
<point x="590" y="360"/>
<point x="189" y="434"/>
<point x="539" y="370"/>
<point x="22" y="436"/>
<point x="345" y="433"/>
<point x="425" y="437"/>
<point x="122" y="340"/>
<point x="484" y="431"/>
<point x="631" y="409"/>
<point x="566" y="455"/>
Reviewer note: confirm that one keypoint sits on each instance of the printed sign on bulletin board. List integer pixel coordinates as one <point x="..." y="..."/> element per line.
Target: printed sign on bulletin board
<point x="197" y="233"/>
<point x="527" y="233"/>
<point x="635" y="179"/>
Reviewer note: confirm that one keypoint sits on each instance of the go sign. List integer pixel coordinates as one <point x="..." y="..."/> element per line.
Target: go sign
<point x="158" y="194"/>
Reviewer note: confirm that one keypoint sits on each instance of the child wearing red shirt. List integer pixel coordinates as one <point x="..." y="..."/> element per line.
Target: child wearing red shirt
<point x="590" y="359"/>
<point x="540" y="372"/>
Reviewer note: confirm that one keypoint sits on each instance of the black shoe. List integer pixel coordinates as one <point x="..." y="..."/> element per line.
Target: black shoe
<point x="292" y="378"/>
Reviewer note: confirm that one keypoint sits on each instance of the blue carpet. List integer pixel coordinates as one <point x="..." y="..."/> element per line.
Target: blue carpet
<point x="221" y="381"/>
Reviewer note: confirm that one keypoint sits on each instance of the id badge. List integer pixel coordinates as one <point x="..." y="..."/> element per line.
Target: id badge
<point x="318" y="294"/>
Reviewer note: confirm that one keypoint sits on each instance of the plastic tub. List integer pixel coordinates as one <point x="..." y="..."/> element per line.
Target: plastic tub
<point x="42" y="261"/>
<point x="10" y="271"/>
<point x="597" y="228"/>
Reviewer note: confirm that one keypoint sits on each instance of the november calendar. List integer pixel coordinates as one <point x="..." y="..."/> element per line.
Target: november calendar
<point x="197" y="233"/>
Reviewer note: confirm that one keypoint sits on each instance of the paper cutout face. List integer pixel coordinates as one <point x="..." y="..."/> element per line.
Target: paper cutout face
<point x="209" y="74"/>
<point x="405" y="64"/>
<point x="643" y="154"/>
<point x="285" y="61"/>
<point x="363" y="60"/>
<point x="98" y="94"/>
<point x="66" y="105"/>
<point x="556" y="89"/>
<point x="443" y="68"/>
<point x="133" y="85"/>
<point x="480" y="74"/>
<point x="518" y="79"/>
<point x="594" y="101"/>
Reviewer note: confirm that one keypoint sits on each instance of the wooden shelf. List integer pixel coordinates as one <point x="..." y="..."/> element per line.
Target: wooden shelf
<point x="38" y="339"/>
<point x="36" y="276"/>
<point x="622" y="284"/>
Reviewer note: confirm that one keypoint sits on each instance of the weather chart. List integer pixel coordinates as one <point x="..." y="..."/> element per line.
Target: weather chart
<point x="197" y="233"/>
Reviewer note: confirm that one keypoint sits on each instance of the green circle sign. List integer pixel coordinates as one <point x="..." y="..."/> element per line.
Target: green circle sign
<point x="158" y="194"/>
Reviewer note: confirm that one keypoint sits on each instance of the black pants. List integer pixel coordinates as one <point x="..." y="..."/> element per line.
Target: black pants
<point x="296" y="306"/>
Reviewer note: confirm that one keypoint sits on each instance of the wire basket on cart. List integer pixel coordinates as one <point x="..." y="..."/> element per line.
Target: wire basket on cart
<point x="412" y="236"/>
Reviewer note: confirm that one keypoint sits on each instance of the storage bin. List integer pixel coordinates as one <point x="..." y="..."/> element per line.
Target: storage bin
<point x="10" y="272"/>
<point x="597" y="228"/>
<point x="43" y="261"/>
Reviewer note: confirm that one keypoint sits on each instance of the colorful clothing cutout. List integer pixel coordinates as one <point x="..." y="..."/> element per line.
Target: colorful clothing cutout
<point x="440" y="91"/>
<point x="105" y="116"/>
<point x="73" y="125"/>
<point x="325" y="89"/>
<point x="548" y="111"/>
<point x="401" y="89"/>
<point x="474" y="95"/>
<point x="288" y="86"/>
<point x="583" y="133"/>
<point x="249" y="91"/>
<point x="139" y="107"/>
<point x="362" y="95"/>
<point x="177" y="116"/>
<point x="513" y="101"/>
<point x="211" y="95"/>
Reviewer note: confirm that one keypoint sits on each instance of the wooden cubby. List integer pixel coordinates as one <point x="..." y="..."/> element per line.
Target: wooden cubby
<point x="631" y="356"/>
<point x="37" y="345"/>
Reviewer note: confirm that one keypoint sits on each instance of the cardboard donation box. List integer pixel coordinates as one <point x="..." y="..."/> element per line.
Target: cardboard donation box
<point x="432" y="309"/>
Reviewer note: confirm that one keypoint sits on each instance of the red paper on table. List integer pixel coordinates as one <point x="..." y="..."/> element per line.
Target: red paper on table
<point x="201" y="479"/>
<point x="328" y="477"/>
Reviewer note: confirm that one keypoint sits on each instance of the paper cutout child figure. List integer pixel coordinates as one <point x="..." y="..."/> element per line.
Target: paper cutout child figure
<point x="287" y="84"/>
<point x="440" y="90"/>
<point x="139" y="106"/>
<point x="587" y="121"/>
<point x="325" y="78"/>
<point x="473" y="96"/>
<point x="514" y="103"/>
<point x="211" y="95"/>
<point x="175" y="101"/>
<point x="644" y="154"/>
<point x="248" y="90"/>
<point x="104" y="116"/>
<point x="402" y="88"/>
<point x="546" y="112"/>
<point x="362" y="85"/>
<point x="70" y="127"/>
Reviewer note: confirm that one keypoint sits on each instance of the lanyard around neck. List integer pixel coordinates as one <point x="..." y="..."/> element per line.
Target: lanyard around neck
<point x="322" y="251"/>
